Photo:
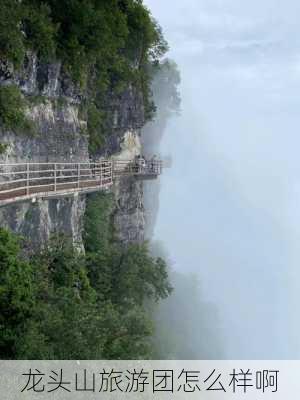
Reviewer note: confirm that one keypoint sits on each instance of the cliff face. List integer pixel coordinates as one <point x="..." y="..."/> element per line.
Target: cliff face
<point x="129" y="215"/>
<point x="54" y="107"/>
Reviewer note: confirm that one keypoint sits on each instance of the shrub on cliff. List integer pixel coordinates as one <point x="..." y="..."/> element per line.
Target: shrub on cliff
<point x="3" y="147"/>
<point x="13" y="110"/>
<point x="95" y="121"/>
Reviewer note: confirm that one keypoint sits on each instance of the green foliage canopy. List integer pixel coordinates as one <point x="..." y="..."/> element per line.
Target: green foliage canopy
<point x="62" y="304"/>
<point x="104" y="46"/>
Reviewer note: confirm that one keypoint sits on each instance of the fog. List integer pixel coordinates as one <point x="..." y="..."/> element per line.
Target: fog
<point x="229" y="206"/>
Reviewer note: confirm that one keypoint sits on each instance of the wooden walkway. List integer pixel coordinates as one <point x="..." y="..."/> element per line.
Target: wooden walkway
<point x="23" y="181"/>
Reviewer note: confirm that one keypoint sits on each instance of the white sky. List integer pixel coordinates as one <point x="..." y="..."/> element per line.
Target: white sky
<point x="230" y="206"/>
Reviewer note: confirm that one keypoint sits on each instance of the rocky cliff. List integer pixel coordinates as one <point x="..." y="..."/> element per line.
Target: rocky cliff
<point x="54" y="106"/>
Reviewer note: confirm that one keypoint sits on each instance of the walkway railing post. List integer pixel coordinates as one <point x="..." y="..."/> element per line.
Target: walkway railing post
<point x="78" y="175"/>
<point x="55" y="177"/>
<point x="27" y="178"/>
<point x="101" y="169"/>
<point x="111" y="171"/>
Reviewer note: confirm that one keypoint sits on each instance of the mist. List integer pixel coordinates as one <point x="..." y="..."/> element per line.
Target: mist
<point x="229" y="206"/>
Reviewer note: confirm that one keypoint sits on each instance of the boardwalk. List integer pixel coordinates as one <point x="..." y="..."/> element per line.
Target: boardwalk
<point x="23" y="181"/>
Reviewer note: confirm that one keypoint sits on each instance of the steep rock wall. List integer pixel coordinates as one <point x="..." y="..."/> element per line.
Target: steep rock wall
<point x="54" y="107"/>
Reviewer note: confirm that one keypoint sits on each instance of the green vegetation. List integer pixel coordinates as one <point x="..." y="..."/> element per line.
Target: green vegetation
<point x="12" y="110"/>
<point x="39" y="28"/>
<point x="35" y="100"/>
<point x="16" y="292"/>
<point x="3" y="147"/>
<point x="95" y="127"/>
<point x="12" y="46"/>
<point x="104" y="45"/>
<point x="123" y="277"/>
<point x="61" y="304"/>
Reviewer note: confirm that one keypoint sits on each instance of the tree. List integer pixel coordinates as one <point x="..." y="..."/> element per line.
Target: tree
<point x="11" y="39"/>
<point x="16" y="293"/>
<point x="139" y="277"/>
